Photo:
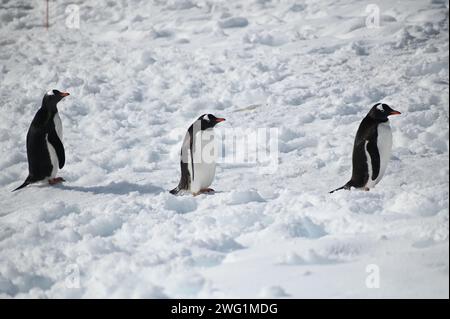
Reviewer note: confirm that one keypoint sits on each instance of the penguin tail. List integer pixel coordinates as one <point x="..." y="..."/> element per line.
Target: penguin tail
<point x="175" y="191"/>
<point x="26" y="183"/>
<point x="346" y="186"/>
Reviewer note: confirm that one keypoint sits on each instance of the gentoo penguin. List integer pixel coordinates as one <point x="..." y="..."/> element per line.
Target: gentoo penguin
<point x="372" y="148"/>
<point x="45" y="149"/>
<point x="198" y="156"/>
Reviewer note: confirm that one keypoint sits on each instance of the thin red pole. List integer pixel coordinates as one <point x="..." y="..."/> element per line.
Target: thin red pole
<point x="46" y="15"/>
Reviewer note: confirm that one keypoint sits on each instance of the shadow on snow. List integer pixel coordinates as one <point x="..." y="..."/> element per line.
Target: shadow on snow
<point x="119" y="188"/>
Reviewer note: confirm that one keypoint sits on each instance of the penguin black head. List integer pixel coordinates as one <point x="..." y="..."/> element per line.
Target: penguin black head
<point x="381" y="111"/>
<point x="209" y="121"/>
<point x="52" y="97"/>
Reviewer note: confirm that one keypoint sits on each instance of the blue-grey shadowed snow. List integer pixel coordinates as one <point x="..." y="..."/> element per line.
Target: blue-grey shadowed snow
<point x="181" y="205"/>
<point x="115" y="188"/>
<point x="5" y="232"/>
<point x="220" y="243"/>
<point x="7" y="287"/>
<point x="309" y="257"/>
<point x="27" y="282"/>
<point x="233" y="22"/>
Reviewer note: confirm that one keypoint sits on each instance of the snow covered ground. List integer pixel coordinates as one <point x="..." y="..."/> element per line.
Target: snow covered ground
<point x="139" y="72"/>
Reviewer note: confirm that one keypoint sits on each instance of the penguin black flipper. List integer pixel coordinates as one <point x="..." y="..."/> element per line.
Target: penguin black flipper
<point x="372" y="149"/>
<point x="359" y="165"/>
<point x="191" y="151"/>
<point x="54" y="140"/>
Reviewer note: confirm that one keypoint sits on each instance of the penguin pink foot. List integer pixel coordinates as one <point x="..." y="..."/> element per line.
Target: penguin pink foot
<point x="57" y="180"/>
<point x="204" y="191"/>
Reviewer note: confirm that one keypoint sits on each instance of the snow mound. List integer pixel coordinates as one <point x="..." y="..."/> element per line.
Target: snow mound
<point x="244" y="197"/>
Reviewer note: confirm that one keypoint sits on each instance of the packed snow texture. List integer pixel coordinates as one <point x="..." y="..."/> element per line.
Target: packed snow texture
<point x="140" y="72"/>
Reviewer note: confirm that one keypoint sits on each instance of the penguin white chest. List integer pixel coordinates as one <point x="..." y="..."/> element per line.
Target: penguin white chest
<point x="58" y="126"/>
<point x="51" y="150"/>
<point x="204" y="156"/>
<point x="384" y="144"/>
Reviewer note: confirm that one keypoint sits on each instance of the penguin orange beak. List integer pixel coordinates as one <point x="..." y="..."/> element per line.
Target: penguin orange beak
<point x="64" y="94"/>
<point x="395" y="113"/>
<point x="220" y="119"/>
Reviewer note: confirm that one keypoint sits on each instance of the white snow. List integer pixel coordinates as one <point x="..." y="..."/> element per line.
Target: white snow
<point x="140" y="72"/>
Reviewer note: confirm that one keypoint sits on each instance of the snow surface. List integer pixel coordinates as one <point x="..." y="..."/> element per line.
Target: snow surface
<point x="140" y="72"/>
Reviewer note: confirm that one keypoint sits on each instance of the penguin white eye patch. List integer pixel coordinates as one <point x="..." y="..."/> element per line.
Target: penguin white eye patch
<point x="380" y="107"/>
<point x="50" y="92"/>
<point x="206" y="117"/>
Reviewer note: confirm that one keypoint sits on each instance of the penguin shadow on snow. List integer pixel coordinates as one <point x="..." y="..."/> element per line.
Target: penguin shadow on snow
<point x="115" y="188"/>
